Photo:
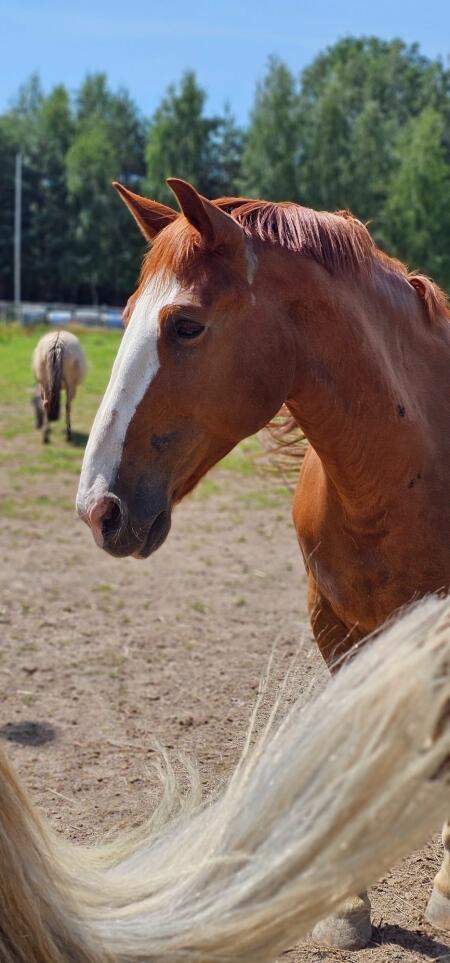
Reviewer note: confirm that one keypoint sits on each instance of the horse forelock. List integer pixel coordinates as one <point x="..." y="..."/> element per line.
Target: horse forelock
<point x="339" y="242"/>
<point x="172" y="254"/>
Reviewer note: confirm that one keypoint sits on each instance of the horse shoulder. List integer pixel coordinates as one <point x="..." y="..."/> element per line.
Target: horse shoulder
<point x="309" y="501"/>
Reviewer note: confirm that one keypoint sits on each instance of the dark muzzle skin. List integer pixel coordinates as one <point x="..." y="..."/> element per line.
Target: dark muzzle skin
<point x="136" y="523"/>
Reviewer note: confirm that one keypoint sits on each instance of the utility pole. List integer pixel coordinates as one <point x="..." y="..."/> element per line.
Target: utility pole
<point x="18" y="237"/>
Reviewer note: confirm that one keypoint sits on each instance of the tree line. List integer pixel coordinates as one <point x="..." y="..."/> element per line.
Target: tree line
<point x="365" y="127"/>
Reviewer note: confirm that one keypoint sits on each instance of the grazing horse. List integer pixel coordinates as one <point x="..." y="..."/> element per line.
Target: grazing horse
<point x="58" y="360"/>
<point x="243" y="306"/>
<point x="312" y="811"/>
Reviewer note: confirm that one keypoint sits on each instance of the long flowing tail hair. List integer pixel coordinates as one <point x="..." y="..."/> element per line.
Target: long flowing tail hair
<point x="318" y="807"/>
<point x="54" y="367"/>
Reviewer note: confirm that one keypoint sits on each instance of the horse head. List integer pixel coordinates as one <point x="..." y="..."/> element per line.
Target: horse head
<point x="204" y="362"/>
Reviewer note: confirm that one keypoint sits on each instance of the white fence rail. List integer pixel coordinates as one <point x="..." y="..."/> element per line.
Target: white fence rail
<point x="61" y="315"/>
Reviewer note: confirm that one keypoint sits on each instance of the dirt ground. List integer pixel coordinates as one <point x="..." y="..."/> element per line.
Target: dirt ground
<point x="101" y="659"/>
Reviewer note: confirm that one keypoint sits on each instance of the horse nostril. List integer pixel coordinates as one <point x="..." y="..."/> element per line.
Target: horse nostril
<point x="112" y="519"/>
<point x="103" y="517"/>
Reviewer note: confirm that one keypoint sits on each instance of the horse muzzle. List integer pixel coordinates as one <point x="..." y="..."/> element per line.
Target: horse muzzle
<point x="124" y="528"/>
<point x="122" y="537"/>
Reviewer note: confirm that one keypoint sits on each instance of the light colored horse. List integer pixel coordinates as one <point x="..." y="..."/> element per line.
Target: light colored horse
<point x="321" y="805"/>
<point x="242" y="306"/>
<point x="58" y="361"/>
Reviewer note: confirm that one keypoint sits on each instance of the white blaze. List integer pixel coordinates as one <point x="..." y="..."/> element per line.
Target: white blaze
<point x="133" y="371"/>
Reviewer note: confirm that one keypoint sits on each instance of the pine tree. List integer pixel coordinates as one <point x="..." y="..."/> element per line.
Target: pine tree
<point x="107" y="144"/>
<point x="229" y="147"/>
<point x="182" y="141"/>
<point x="8" y="148"/>
<point x="416" y="217"/>
<point x="20" y="127"/>
<point x="49" y="232"/>
<point x="270" y="158"/>
<point x="354" y="98"/>
<point x="91" y="166"/>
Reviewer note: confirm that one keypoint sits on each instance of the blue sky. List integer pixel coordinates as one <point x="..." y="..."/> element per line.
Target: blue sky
<point x="146" y="45"/>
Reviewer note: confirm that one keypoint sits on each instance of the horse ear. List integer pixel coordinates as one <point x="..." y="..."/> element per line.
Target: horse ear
<point x="215" y="225"/>
<point x="435" y="301"/>
<point x="151" y="216"/>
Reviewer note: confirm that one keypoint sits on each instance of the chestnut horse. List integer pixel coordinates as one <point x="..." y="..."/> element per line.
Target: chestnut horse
<point x="245" y="305"/>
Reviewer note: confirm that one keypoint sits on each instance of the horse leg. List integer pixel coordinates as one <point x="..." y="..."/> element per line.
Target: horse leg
<point x="36" y="401"/>
<point x="332" y="636"/>
<point x="45" y="425"/>
<point x="68" y="425"/>
<point x="350" y="928"/>
<point x="438" y="909"/>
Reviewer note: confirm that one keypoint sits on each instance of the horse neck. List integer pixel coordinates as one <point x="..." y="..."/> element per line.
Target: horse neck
<point x="357" y="342"/>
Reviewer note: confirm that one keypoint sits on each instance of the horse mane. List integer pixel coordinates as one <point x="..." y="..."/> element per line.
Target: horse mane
<point x="339" y="242"/>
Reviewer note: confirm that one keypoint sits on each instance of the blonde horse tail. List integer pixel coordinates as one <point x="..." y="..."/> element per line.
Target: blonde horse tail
<point x="38" y="923"/>
<point x="55" y="357"/>
<point x="321" y="805"/>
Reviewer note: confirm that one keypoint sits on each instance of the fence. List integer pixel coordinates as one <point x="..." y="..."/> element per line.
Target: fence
<point x="61" y="315"/>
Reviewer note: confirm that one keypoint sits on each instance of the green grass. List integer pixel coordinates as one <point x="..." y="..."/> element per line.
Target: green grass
<point x="22" y="454"/>
<point x="241" y="460"/>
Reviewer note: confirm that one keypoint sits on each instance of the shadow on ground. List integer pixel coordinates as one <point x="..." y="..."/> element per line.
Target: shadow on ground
<point x="28" y="733"/>
<point x="412" y="940"/>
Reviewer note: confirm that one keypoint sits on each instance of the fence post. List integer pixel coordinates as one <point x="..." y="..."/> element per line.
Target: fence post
<point x="18" y="237"/>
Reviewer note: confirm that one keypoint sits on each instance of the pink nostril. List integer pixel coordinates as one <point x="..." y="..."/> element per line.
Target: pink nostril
<point x="97" y="515"/>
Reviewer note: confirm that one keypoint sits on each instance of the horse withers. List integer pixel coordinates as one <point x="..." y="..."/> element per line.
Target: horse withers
<point x="242" y="306"/>
<point x="58" y="361"/>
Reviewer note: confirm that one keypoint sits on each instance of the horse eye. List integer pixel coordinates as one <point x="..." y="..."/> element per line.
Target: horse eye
<point x="187" y="330"/>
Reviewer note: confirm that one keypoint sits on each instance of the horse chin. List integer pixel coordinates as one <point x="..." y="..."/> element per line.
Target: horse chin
<point x="156" y="536"/>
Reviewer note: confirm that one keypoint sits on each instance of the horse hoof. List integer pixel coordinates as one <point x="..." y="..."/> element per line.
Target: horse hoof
<point x="351" y="932"/>
<point x="438" y="910"/>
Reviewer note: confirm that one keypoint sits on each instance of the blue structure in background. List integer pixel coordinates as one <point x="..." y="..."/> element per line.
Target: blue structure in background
<point x="65" y="315"/>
